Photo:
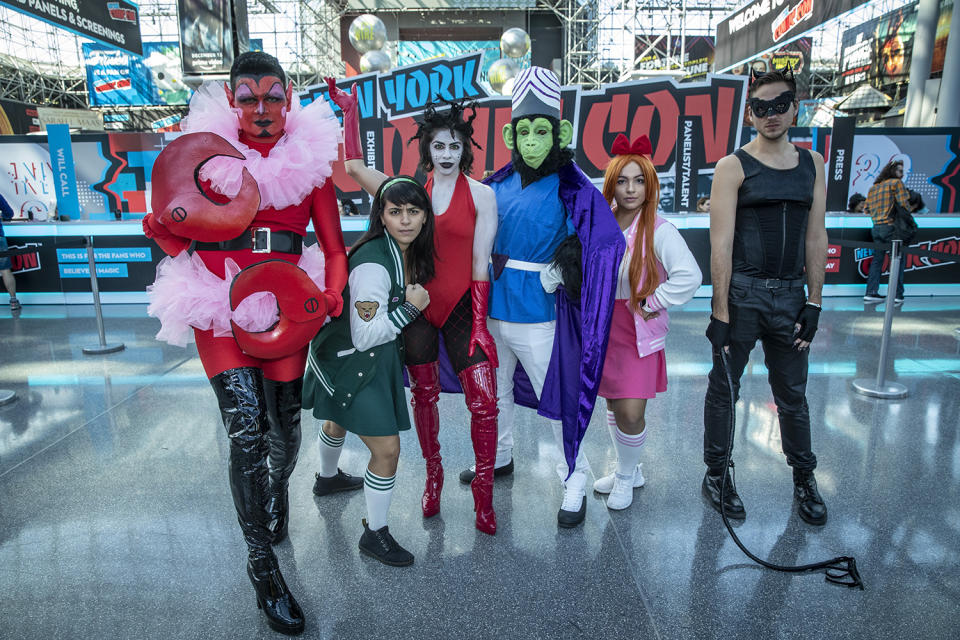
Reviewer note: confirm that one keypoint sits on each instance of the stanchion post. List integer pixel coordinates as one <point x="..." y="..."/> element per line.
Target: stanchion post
<point x="880" y="388"/>
<point x="103" y="347"/>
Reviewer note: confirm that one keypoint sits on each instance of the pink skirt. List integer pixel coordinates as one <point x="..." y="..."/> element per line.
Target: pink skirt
<point x="625" y="373"/>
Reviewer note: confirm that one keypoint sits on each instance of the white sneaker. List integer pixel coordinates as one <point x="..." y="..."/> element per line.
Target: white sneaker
<point x="621" y="496"/>
<point x="605" y="484"/>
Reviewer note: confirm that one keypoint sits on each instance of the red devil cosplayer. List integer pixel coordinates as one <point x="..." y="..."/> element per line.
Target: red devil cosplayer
<point x="231" y="204"/>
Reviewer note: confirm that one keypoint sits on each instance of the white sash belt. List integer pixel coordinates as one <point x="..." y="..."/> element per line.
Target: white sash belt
<point x="525" y="266"/>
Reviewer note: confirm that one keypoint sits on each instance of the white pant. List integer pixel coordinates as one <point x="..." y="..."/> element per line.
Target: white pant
<point x="532" y="345"/>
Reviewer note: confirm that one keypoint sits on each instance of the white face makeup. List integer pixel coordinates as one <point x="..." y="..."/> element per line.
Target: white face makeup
<point x="446" y="150"/>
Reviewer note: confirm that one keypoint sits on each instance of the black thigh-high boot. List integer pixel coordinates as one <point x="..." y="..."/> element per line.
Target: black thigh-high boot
<point x="240" y="395"/>
<point x="283" y="414"/>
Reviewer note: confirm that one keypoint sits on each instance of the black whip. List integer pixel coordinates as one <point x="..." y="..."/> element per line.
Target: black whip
<point x="841" y="570"/>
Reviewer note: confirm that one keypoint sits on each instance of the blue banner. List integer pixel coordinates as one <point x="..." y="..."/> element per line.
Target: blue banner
<point x="64" y="175"/>
<point x="116" y="77"/>
<point x="407" y="90"/>
<point x="119" y="254"/>
<point x="116" y="270"/>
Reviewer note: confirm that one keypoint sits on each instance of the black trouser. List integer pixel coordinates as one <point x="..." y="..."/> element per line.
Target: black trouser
<point x="759" y="309"/>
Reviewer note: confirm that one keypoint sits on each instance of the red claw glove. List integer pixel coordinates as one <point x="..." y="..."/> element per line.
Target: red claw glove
<point x="156" y="231"/>
<point x="351" y="119"/>
<point x="479" y="335"/>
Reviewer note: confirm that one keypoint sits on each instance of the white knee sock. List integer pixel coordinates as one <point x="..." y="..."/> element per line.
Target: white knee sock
<point x="378" y="491"/>
<point x="628" y="446"/>
<point x="330" y="449"/>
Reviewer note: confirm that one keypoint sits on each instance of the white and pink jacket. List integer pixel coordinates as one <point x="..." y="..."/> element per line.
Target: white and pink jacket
<point x="679" y="279"/>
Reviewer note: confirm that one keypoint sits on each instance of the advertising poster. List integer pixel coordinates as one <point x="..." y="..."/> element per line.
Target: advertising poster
<point x="699" y="58"/>
<point x="18" y="118"/>
<point x="116" y="77"/>
<point x="27" y="179"/>
<point x="931" y="162"/>
<point x="762" y="24"/>
<point x="206" y="39"/>
<point x="879" y="51"/>
<point x="112" y="175"/>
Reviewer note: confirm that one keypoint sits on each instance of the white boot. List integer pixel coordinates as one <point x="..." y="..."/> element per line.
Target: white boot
<point x="605" y="484"/>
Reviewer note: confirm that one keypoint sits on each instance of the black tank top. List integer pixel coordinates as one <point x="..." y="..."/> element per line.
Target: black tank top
<point x="772" y="210"/>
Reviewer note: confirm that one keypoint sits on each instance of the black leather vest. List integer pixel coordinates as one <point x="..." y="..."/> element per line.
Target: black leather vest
<point x="772" y="210"/>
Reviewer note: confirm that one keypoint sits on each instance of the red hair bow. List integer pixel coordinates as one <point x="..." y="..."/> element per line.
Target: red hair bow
<point x="622" y="147"/>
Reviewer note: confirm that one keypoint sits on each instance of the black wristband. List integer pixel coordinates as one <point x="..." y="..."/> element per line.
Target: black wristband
<point x="411" y="309"/>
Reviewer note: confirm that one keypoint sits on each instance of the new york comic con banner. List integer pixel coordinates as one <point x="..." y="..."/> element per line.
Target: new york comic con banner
<point x="691" y="126"/>
<point x="390" y="102"/>
<point x="112" y="22"/>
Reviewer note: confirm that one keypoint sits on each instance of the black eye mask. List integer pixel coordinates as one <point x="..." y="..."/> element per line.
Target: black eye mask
<point x="780" y="104"/>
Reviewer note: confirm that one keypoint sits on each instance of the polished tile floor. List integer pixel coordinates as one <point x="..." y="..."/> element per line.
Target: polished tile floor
<point x="116" y="519"/>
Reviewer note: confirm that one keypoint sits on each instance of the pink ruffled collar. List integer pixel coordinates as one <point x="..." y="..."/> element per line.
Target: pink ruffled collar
<point x="301" y="161"/>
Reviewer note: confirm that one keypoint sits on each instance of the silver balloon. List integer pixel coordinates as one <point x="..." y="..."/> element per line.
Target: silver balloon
<point x="500" y="71"/>
<point x="375" y="61"/>
<point x="367" y="33"/>
<point x="514" y="43"/>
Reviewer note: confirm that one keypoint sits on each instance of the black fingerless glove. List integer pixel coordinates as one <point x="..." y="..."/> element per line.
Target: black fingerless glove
<point x="718" y="333"/>
<point x="808" y="319"/>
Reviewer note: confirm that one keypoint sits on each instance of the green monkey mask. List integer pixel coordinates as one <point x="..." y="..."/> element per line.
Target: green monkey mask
<point x="534" y="138"/>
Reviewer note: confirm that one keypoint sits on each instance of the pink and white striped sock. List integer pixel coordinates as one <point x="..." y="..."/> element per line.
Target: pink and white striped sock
<point x="628" y="446"/>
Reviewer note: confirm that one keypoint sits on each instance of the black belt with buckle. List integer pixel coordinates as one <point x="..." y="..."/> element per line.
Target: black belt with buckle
<point x="767" y="283"/>
<point x="258" y="240"/>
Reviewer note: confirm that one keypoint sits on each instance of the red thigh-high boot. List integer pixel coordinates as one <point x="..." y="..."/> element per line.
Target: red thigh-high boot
<point x="425" y="389"/>
<point x="480" y="389"/>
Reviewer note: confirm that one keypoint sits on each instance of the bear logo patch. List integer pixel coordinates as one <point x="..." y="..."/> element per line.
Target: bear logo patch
<point x="366" y="310"/>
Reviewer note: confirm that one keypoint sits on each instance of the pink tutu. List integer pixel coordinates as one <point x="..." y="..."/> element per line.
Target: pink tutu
<point x="186" y="295"/>
<point x="301" y="161"/>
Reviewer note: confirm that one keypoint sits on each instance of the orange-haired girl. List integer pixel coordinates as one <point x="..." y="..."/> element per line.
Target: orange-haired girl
<point x="657" y="271"/>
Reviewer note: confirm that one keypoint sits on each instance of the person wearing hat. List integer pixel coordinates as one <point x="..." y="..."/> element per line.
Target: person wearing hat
<point x="542" y="198"/>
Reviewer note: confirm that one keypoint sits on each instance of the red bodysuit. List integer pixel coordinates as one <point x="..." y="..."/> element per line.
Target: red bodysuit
<point x="221" y="354"/>
<point x="453" y="241"/>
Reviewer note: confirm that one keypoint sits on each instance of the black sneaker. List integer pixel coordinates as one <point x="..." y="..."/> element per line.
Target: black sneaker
<point x="710" y="488"/>
<point x="340" y="482"/>
<point x="873" y="297"/>
<point x="380" y="545"/>
<point x="572" y="512"/>
<point x="14" y="304"/>
<point x="467" y="475"/>
<point x="810" y="505"/>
